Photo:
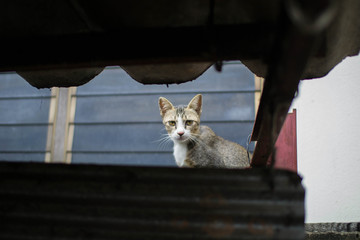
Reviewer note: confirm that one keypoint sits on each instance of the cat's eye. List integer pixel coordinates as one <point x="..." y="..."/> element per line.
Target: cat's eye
<point x="172" y="123"/>
<point x="189" y="122"/>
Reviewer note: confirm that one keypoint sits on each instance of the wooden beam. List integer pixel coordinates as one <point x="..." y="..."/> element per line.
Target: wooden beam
<point x="291" y="52"/>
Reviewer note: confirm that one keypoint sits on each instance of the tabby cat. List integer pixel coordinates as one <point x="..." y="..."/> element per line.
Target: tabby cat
<point x="197" y="146"/>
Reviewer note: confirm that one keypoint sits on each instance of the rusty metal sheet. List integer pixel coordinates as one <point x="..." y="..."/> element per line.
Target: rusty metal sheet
<point x="41" y="201"/>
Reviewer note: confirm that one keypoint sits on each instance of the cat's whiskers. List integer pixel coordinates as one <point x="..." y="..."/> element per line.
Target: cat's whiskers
<point x="164" y="140"/>
<point x="195" y="139"/>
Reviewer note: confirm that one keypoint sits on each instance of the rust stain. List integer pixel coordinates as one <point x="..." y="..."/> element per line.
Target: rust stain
<point x="213" y="200"/>
<point x="180" y="223"/>
<point x="219" y="226"/>
<point x="260" y="227"/>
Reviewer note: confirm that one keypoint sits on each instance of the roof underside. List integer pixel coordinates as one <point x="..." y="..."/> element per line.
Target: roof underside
<point x="43" y="35"/>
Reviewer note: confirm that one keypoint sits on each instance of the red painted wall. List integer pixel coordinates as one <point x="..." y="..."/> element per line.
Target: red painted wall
<point x="286" y="145"/>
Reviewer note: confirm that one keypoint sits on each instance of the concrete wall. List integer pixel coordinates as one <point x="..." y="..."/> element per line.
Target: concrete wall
<point x="328" y="127"/>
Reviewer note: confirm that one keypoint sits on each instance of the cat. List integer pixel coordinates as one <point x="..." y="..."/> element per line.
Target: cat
<point x="197" y="146"/>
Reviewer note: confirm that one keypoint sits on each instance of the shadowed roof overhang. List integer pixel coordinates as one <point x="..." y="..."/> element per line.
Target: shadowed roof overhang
<point x="43" y="35"/>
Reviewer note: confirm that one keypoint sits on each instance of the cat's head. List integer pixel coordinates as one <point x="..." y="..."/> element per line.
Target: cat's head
<point x="182" y="122"/>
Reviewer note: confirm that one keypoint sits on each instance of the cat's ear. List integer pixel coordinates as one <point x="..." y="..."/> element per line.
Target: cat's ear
<point x="196" y="103"/>
<point x="164" y="106"/>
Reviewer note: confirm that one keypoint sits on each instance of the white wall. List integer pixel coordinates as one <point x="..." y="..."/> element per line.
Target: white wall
<point x="328" y="128"/>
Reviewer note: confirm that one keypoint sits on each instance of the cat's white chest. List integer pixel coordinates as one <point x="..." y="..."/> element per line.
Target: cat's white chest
<point x="180" y="152"/>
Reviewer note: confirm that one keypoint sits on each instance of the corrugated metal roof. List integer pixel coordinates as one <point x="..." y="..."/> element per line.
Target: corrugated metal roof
<point x="41" y="201"/>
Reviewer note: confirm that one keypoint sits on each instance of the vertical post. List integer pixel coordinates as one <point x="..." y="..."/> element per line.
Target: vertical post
<point x="51" y="123"/>
<point x="62" y="112"/>
<point x="71" y="110"/>
<point x="58" y="143"/>
<point x="259" y="84"/>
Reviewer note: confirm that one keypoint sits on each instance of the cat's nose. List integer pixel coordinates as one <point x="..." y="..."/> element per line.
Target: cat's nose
<point x="180" y="133"/>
